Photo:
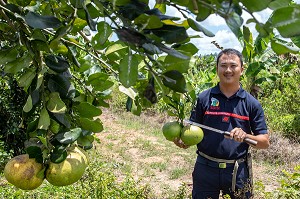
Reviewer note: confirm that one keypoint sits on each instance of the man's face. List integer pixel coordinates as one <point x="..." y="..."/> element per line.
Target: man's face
<point x="229" y="69"/>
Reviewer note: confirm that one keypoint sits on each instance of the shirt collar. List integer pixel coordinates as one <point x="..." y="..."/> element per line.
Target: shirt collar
<point x="240" y="93"/>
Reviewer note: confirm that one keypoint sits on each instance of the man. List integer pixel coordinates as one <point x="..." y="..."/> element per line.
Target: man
<point x="221" y="163"/>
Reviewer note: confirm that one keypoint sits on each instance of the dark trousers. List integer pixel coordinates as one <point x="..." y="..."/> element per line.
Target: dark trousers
<point x="209" y="180"/>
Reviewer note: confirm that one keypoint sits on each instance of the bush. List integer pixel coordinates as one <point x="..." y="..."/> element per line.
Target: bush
<point x="280" y="101"/>
<point x="12" y="131"/>
<point x="290" y="184"/>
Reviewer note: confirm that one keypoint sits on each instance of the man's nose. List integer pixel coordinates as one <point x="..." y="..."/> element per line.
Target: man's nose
<point x="228" y="69"/>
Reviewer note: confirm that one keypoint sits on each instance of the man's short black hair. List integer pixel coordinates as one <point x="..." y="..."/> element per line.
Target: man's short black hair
<point x="229" y="51"/>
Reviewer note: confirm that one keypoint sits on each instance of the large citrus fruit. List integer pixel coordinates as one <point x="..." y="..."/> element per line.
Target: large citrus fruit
<point x="69" y="171"/>
<point x="171" y="130"/>
<point x="24" y="172"/>
<point x="191" y="135"/>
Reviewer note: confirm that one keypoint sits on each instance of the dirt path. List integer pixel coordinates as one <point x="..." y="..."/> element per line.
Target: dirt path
<point x="149" y="167"/>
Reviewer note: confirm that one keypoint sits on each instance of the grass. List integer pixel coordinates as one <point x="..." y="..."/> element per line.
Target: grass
<point x="132" y="159"/>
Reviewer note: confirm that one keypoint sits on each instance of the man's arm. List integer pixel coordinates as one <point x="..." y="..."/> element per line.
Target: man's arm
<point x="239" y="135"/>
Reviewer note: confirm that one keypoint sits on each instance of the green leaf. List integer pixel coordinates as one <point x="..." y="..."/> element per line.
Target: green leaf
<point x="40" y="78"/>
<point x="287" y="21"/>
<point x="59" y="154"/>
<point x="282" y="48"/>
<point x="197" y="27"/>
<point x="55" y="104"/>
<point x="116" y="48"/>
<point x="54" y="126"/>
<point x="86" y="142"/>
<point x="161" y="7"/>
<point x="203" y="13"/>
<point x="171" y="34"/>
<point x="34" y="152"/>
<point x="87" y="110"/>
<point x="26" y="78"/>
<point x="44" y="120"/>
<point x="91" y="125"/>
<point x="136" y="107"/>
<point x="8" y="55"/>
<point x="43" y="140"/>
<point x="156" y="12"/>
<point x="104" y="31"/>
<point x="38" y="35"/>
<point x="296" y="41"/>
<point x="57" y="63"/>
<point x="42" y="22"/>
<point x="69" y="136"/>
<point x="120" y="2"/>
<point x="253" y="69"/>
<point x="234" y="22"/>
<point x="59" y="83"/>
<point x="279" y="4"/>
<point x="130" y="92"/>
<point x="128" y="70"/>
<point x="92" y="24"/>
<point x="99" y="81"/>
<point x="148" y="22"/>
<point x="183" y="23"/>
<point x="62" y="31"/>
<point x="274" y="70"/>
<point x="40" y="45"/>
<point x="18" y="64"/>
<point x="175" y="81"/>
<point x="151" y="48"/>
<point x="58" y="47"/>
<point x="172" y="51"/>
<point x="173" y="63"/>
<point x="28" y="105"/>
<point x="63" y="119"/>
<point x="188" y="48"/>
<point x="78" y="25"/>
<point x="256" y="5"/>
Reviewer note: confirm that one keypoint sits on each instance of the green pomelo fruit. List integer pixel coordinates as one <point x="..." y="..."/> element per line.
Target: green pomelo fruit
<point x="24" y="172"/>
<point x="69" y="171"/>
<point x="172" y="130"/>
<point x="191" y="135"/>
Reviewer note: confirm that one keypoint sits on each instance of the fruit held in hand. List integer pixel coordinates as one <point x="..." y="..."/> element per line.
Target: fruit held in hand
<point x="191" y="135"/>
<point x="172" y="130"/>
<point x="24" y="172"/>
<point x="69" y="171"/>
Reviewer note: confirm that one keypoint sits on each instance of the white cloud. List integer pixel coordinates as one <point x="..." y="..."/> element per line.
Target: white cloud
<point x="214" y="20"/>
<point x="225" y="38"/>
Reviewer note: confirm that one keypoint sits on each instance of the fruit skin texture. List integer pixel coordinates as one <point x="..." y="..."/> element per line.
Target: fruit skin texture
<point x="23" y="172"/>
<point x="69" y="171"/>
<point x="191" y="135"/>
<point x="172" y="130"/>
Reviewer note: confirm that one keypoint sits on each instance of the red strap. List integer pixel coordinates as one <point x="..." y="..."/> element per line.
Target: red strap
<point x="227" y="114"/>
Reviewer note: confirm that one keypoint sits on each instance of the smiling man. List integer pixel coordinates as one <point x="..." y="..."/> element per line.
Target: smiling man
<point x="223" y="164"/>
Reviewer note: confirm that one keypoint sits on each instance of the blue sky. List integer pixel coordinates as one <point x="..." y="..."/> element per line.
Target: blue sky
<point x="223" y="35"/>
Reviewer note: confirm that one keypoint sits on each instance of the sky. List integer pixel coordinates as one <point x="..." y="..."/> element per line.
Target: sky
<point x="217" y="25"/>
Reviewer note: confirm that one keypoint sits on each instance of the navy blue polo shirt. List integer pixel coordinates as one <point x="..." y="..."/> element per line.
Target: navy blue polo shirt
<point x="241" y="110"/>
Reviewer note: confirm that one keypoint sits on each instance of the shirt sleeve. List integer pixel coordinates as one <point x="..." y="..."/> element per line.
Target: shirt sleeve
<point x="257" y="120"/>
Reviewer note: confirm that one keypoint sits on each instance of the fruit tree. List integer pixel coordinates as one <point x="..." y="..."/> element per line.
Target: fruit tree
<point x="67" y="55"/>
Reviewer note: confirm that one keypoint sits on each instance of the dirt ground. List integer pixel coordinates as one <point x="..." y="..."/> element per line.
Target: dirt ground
<point x="262" y="173"/>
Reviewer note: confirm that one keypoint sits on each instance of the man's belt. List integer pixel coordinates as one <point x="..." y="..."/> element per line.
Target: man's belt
<point x="222" y="164"/>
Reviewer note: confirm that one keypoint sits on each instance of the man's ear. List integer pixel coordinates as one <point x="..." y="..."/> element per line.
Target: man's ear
<point x="242" y="70"/>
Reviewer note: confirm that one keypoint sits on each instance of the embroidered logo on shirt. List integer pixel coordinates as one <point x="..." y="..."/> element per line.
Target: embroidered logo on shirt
<point x="225" y="119"/>
<point x="214" y="104"/>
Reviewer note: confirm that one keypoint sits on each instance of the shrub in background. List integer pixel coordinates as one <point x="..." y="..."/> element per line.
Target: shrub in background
<point x="12" y="131"/>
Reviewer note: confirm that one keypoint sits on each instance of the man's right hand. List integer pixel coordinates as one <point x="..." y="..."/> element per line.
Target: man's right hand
<point x="180" y="143"/>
